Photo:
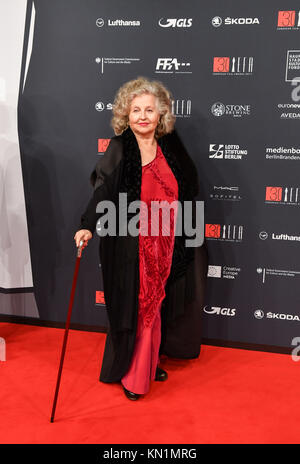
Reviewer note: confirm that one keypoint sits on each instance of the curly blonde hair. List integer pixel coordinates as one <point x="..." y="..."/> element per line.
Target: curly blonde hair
<point x="137" y="87"/>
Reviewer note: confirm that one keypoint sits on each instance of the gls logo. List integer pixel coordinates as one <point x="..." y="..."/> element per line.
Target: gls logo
<point x="183" y="22"/>
<point x="219" y="310"/>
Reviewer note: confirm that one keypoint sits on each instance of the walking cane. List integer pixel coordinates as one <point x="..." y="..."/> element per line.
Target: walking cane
<point x="79" y="251"/>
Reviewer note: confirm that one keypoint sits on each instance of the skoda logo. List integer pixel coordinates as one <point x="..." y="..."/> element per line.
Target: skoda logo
<point x="99" y="106"/>
<point x="216" y="21"/>
<point x="259" y="314"/>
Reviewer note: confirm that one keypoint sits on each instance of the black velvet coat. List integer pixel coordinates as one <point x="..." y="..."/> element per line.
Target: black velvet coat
<point x="120" y="170"/>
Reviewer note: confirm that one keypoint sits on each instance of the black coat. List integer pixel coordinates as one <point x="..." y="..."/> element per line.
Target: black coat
<point x="120" y="170"/>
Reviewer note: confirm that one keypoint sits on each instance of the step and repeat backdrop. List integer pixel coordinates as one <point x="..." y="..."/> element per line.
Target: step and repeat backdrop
<point x="233" y="69"/>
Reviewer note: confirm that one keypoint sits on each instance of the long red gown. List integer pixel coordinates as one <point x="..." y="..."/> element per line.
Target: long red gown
<point x="155" y="255"/>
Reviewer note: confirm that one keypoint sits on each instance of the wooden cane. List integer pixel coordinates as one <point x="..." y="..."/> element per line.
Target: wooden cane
<point x="79" y="251"/>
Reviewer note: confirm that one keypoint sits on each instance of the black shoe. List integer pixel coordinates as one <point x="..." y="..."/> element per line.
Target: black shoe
<point x="130" y="395"/>
<point x="161" y="375"/>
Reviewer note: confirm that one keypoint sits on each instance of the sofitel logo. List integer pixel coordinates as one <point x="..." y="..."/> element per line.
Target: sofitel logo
<point x="225" y="193"/>
<point x="288" y="20"/>
<point x="224" y="232"/>
<point x="172" y="65"/>
<point x="181" y="22"/>
<point x="233" y="66"/>
<point x="282" y="195"/>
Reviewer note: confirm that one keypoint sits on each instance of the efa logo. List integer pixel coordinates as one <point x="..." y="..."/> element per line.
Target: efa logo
<point x="221" y="64"/>
<point x="219" y="311"/>
<point x="213" y="230"/>
<point x="102" y="145"/>
<point x="273" y="193"/>
<point x="235" y="65"/>
<point x="99" y="299"/>
<point x="286" y="18"/>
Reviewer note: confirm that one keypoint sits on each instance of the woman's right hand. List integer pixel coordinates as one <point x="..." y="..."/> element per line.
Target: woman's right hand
<point x="83" y="235"/>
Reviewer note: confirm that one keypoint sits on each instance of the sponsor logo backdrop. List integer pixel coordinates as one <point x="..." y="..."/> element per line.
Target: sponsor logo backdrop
<point x="232" y="70"/>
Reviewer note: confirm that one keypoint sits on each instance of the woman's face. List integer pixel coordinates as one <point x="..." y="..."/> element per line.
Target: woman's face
<point x="143" y="115"/>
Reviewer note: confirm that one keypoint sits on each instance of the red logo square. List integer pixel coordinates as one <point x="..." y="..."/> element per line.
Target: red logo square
<point x="286" y="18"/>
<point x="102" y="145"/>
<point x="100" y="297"/>
<point x="273" y="193"/>
<point x="221" y="64"/>
<point x="212" y="230"/>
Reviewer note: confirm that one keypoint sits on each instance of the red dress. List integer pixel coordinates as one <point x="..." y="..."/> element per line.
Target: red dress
<point x="155" y="256"/>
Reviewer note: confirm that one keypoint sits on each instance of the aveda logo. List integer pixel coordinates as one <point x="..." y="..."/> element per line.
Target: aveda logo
<point x="182" y="22"/>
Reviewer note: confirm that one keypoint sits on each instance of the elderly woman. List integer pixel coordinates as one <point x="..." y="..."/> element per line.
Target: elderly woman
<point x="153" y="283"/>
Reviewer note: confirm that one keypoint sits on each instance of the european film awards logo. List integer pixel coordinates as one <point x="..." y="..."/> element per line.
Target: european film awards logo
<point x="224" y="232"/>
<point x="282" y="195"/>
<point x="288" y="20"/>
<point x="102" y="145"/>
<point x="233" y="66"/>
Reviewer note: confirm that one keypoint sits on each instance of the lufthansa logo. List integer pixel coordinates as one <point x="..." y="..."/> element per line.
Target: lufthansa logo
<point x="100" y="22"/>
<point x="263" y="235"/>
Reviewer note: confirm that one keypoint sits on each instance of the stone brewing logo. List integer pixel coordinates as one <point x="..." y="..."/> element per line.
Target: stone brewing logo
<point x="233" y="66"/>
<point x="219" y="109"/>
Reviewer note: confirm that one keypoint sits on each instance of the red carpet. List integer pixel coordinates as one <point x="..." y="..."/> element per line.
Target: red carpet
<point x="225" y="396"/>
